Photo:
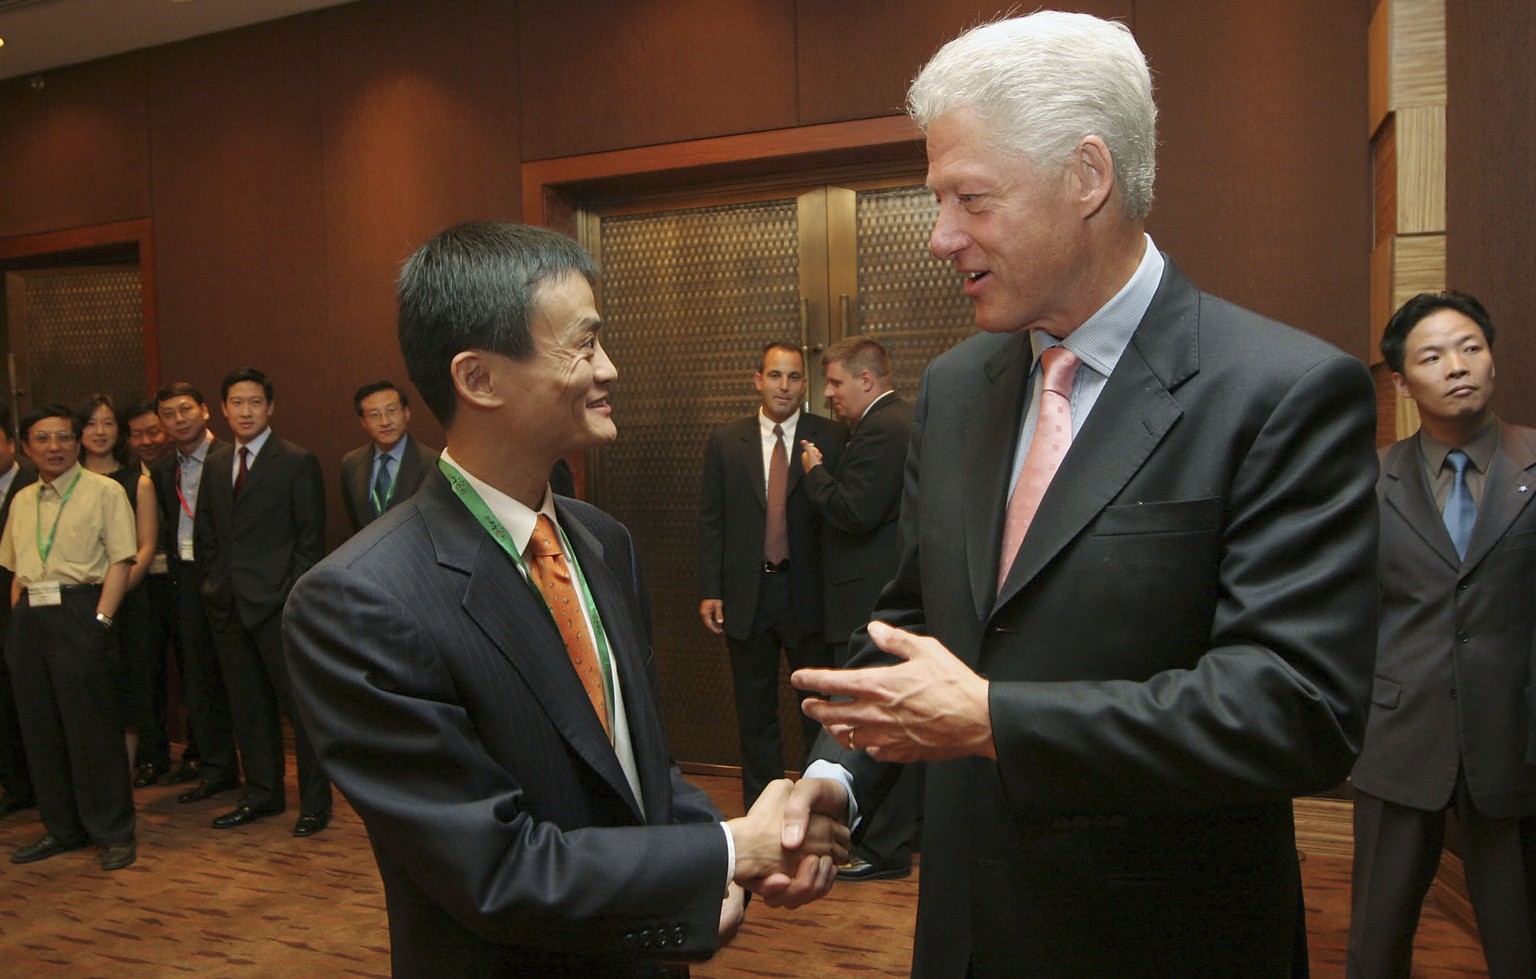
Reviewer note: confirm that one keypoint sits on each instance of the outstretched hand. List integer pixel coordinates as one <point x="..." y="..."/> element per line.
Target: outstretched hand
<point x="930" y="707"/>
<point x="788" y="874"/>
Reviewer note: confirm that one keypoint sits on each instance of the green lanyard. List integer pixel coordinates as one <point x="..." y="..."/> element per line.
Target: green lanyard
<point x="477" y="506"/>
<point x="45" y="549"/>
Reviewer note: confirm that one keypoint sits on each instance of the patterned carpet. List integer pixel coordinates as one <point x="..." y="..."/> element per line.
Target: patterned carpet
<point x="255" y="902"/>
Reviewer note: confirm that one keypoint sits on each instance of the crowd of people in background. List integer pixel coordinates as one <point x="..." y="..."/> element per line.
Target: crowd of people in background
<point x="143" y="535"/>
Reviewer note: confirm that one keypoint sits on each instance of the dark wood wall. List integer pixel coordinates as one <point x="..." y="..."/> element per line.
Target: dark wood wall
<point x="289" y="167"/>
<point x="1491" y="181"/>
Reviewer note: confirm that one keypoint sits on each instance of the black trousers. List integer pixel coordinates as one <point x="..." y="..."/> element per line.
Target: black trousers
<point x="15" y="777"/>
<point x="755" y="679"/>
<point x="256" y="675"/>
<point x="202" y="682"/>
<point x="64" y="666"/>
<point x="1397" y="850"/>
<point x="144" y="628"/>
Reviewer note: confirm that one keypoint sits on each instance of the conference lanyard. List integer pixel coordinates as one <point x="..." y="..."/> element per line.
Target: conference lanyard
<point x="503" y="537"/>
<point x="45" y="549"/>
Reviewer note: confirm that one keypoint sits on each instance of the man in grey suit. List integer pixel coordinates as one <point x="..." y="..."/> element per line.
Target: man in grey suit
<point x="264" y="503"/>
<point x="1449" y="723"/>
<point x="760" y="554"/>
<point x="1135" y="608"/>
<point x="516" y="785"/>
<point x="858" y="506"/>
<point x="389" y="469"/>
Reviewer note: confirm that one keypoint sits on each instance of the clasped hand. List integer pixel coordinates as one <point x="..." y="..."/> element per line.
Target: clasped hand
<point x="790" y="843"/>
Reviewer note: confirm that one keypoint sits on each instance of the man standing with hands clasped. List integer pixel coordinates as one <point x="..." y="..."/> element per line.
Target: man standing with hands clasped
<point x="1450" y="725"/>
<point x="1135" y="608"/>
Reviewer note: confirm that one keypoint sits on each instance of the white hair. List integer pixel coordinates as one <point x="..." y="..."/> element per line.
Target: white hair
<point x="1039" y="84"/>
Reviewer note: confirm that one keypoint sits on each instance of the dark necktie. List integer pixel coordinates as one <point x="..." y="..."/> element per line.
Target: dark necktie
<point x="245" y="470"/>
<point x="1053" y="436"/>
<point x="776" y="535"/>
<point x="550" y="573"/>
<point x="381" y="485"/>
<point x="1460" y="512"/>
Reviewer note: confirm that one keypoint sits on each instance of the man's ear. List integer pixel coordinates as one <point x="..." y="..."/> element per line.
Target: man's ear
<point x="1093" y="169"/>
<point x="474" y="378"/>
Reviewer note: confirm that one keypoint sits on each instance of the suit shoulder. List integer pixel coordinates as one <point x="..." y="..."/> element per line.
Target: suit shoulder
<point x="356" y="456"/>
<point x="735" y="429"/>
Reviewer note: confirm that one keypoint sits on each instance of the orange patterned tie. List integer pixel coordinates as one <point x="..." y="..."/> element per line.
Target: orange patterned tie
<point x="552" y="577"/>
<point x="1053" y="436"/>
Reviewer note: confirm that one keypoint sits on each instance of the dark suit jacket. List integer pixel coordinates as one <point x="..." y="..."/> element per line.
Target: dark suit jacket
<point x="1454" y="660"/>
<point x="733" y="502"/>
<point x="858" y="505"/>
<point x="1183" y="643"/>
<point x="440" y="698"/>
<point x="25" y="476"/>
<point x="253" y="549"/>
<point x="356" y="490"/>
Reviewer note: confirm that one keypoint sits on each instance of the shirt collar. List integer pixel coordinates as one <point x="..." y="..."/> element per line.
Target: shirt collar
<point x="63" y="479"/>
<point x="255" y="444"/>
<point x="197" y="453"/>
<point x="1103" y="337"/>
<point x="518" y="519"/>
<point x="871" y="406"/>
<point x="765" y="424"/>
<point x="1479" y="448"/>
<point x="394" y="451"/>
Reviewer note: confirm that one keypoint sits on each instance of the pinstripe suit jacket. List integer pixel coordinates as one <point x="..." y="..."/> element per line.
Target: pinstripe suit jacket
<point x="441" y="701"/>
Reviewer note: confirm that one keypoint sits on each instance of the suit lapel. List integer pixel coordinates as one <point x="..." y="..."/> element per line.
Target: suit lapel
<point x="359" y="486"/>
<point x="260" y="466"/>
<point x="1505" y="494"/>
<point x="752" y="447"/>
<point x="991" y="435"/>
<point x="409" y="476"/>
<point x="515" y="620"/>
<point x="1130" y="418"/>
<point x="1407" y="492"/>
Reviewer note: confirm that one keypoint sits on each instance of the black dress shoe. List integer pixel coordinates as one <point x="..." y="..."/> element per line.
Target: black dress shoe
<point x="147" y="774"/>
<point x="311" y="823"/>
<point x="48" y="846"/>
<point x="186" y="772"/>
<point x="859" y="869"/>
<point x="244" y="814"/>
<point x="12" y="804"/>
<point x="119" y="855"/>
<point x="207" y="790"/>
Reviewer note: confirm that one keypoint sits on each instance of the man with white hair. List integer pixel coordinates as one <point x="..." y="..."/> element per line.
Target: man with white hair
<point x="1134" y="612"/>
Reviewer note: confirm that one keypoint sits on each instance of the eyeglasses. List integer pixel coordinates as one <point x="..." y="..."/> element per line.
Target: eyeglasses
<point x="392" y="412"/>
<point x="58" y="438"/>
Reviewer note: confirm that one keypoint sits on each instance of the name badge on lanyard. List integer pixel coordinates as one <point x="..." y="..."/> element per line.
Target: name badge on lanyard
<point x="40" y="593"/>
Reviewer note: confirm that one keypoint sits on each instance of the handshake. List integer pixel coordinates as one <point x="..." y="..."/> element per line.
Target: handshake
<point x="789" y="845"/>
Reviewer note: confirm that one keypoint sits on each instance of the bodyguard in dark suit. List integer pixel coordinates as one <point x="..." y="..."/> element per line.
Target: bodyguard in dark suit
<point x="516" y="786"/>
<point x="858" y="506"/>
<point x="265" y="526"/>
<point x="764" y="594"/>
<point x="15" y="778"/>
<point x="1449" y="721"/>
<point x="389" y="469"/>
<point x="179" y="479"/>
<point x="1122" y="662"/>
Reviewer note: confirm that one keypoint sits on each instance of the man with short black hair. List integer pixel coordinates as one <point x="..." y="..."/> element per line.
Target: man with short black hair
<point x="390" y="467"/>
<point x="265" y="527"/>
<point x="146" y="437"/>
<point x="70" y="541"/>
<point x="1450" y="722"/>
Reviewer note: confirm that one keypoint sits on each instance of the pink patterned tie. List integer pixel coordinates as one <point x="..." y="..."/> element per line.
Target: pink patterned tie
<point x="1053" y="436"/>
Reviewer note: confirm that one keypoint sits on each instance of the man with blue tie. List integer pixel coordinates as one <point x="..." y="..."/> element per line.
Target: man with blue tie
<point x="1449" y="724"/>
<point x="389" y="469"/>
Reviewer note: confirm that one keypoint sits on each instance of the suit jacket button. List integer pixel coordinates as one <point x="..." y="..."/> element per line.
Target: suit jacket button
<point x="1463" y="637"/>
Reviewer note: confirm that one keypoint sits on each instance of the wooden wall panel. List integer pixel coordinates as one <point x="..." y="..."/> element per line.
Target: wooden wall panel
<point x="419" y="126"/>
<point x="75" y="152"/>
<point x="1490" y="182"/>
<point x="855" y="58"/>
<point x="1264" y="182"/>
<point x="598" y="75"/>
<point x="238" y="208"/>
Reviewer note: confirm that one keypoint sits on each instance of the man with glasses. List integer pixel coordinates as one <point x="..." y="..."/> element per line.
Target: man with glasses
<point x="390" y="467"/>
<point x="70" y="540"/>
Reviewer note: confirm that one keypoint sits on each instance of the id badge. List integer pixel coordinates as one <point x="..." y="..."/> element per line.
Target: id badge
<point x="184" y="548"/>
<point x="40" y="593"/>
<point x="160" y="565"/>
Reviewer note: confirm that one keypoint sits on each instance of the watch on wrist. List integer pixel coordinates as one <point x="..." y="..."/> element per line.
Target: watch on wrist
<point x="104" y="619"/>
